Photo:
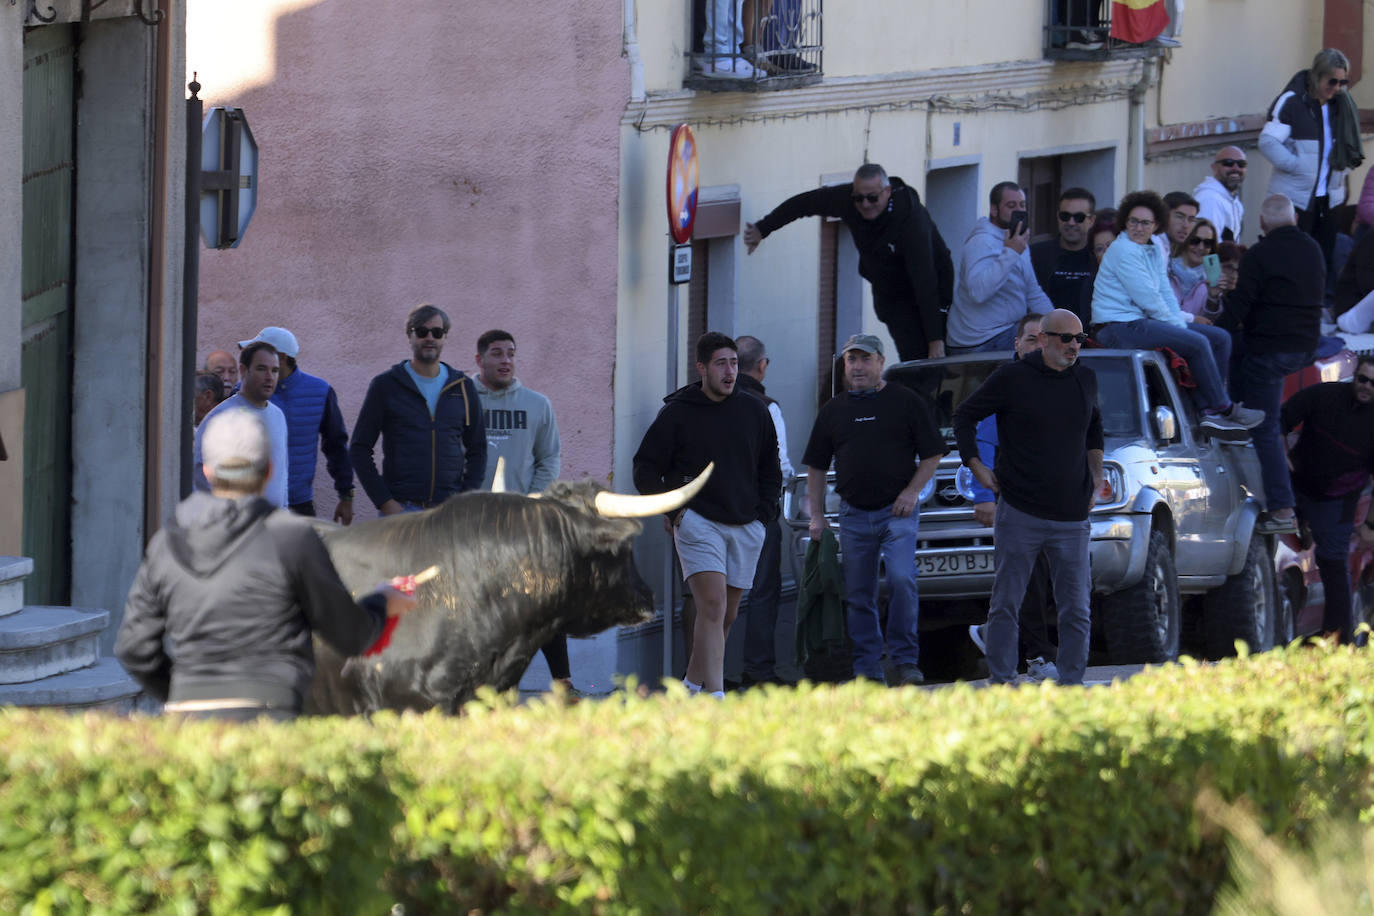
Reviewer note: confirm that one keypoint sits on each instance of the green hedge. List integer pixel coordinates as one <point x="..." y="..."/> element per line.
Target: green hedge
<point x="851" y="799"/>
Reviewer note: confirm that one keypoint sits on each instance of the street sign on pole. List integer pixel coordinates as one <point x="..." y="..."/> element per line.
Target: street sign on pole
<point x="229" y="177"/>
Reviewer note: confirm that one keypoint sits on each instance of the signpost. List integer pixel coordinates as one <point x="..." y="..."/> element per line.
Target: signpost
<point x="682" y="213"/>
<point x="228" y="178"/>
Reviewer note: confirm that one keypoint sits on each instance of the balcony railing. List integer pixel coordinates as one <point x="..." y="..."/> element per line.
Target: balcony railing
<point x="754" y="46"/>
<point x="1082" y="30"/>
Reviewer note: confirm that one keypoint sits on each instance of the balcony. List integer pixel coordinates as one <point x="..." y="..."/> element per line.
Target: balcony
<point x="754" y="46"/>
<point x="1082" y="30"/>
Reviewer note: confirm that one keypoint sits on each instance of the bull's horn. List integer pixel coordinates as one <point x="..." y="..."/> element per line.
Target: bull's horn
<point x="621" y="505"/>
<point x="498" y="483"/>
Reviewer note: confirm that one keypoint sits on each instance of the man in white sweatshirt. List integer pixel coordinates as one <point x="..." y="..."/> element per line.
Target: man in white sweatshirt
<point x="1218" y="196"/>
<point x="522" y="430"/>
<point x="997" y="284"/>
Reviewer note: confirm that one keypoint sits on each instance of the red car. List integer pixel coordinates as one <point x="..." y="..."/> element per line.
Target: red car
<point x="1301" y="597"/>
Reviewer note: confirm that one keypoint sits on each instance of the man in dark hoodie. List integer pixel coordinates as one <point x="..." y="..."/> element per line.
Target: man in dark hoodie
<point x="1049" y="469"/>
<point x="900" y="252"/>
<point x="886" y="448"/>
<point x="1278" y="304"/>
<point x="220" y="616"/>
<point x="720" y="532"/>
<point x="434" y="440"/>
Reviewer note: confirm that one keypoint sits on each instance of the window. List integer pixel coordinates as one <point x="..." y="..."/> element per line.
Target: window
<point x="753" y="45"/>
<point x="1083" y="30"/>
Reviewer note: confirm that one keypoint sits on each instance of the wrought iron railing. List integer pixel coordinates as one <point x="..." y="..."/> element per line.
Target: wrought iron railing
<point x="756" y="44"/>
<point x="1082" y="30"/>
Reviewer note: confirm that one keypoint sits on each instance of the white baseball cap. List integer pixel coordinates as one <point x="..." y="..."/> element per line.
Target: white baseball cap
<point x="279" y="339"/>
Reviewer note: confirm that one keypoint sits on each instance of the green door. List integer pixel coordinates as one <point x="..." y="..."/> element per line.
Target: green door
<point x="49" y="75"/>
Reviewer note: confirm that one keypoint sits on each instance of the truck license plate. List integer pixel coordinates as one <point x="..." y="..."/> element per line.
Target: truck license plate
<point x="954" y="564"/>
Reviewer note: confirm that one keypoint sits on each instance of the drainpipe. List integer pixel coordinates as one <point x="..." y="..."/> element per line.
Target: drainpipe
<point x="1135" y="134"/>
<point x="630" y="51"/>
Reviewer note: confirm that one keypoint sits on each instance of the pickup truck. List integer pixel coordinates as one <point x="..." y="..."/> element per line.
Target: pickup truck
<point x="1175" y="556"/>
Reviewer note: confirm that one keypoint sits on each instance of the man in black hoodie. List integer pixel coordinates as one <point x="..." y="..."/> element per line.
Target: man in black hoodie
<point x="900" y="252"/>
<point x="1278" y="304"/>
<point x="220" y="616"/>
<point x="720" y="532"/>
<point x="1049" y="469"/>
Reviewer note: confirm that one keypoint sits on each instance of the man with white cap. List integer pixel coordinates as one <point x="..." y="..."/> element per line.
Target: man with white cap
<point x="258" y="370"/>
<point x="219" y="620"/>
<point x="314" y="424"/>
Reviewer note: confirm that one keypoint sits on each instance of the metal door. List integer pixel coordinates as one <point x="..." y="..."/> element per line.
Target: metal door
<point x="46" y="372"/>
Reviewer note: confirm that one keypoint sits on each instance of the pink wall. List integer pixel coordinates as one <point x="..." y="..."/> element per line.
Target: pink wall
<point x="465" y="154"/>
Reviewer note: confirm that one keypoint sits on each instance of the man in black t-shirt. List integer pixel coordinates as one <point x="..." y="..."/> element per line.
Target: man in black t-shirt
<point x="1049" y="469"/>
<point x="1062" y="265"/>
<point x="875" y="432"/>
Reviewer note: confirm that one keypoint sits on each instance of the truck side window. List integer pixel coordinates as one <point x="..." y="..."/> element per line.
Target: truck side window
<point x="1158" y="394"/>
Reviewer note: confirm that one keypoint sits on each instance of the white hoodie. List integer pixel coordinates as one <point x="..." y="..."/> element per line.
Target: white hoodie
<point x="1219" y="207"/>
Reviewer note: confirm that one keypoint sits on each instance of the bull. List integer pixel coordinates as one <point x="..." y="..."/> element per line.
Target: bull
<point x="513" y="570"/>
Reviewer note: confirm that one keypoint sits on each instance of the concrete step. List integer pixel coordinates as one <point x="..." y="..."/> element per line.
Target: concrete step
<point x="13" y="571"/>
<point x="40" y="642"/>
<point x="103" y="686"/>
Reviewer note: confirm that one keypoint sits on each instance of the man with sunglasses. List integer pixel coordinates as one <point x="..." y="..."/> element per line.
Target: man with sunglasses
<point x="1218" y="196"/>
<point x="1277" y="303"/>
<point x="1049" y="469"/>
<point x="429" y="417"/>
<point x="1064" y="264"/>
<point x="1331" y="461"/>
<point x="901" y="252"/>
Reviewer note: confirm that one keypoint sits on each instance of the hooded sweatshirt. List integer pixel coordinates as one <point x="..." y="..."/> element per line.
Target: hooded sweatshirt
<point x="1047" y="422"/>
<point x="997" y="286"/>
<point x="225" y="602"/>
<point x="1220" y="207"/>
<point x="736" y="433"/>
<point x="522" y="430"/>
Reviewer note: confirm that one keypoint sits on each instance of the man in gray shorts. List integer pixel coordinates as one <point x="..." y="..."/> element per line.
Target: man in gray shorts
<point x="720" y="532"/>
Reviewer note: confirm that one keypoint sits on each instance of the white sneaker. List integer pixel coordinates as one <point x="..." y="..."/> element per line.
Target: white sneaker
<point x="728" y="68"/>
<point x="1037" y="669"/>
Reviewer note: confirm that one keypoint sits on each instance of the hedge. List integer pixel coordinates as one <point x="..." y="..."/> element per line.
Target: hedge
<point x="849" y="799"/>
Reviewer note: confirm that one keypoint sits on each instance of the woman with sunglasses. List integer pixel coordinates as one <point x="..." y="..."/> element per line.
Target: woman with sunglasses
<point x="1188" y="275"/>
<point x="1307" y="139"/>
<point x="1134" y="308"/>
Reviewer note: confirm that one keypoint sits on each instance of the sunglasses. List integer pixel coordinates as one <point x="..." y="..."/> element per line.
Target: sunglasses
<point x="422" y="333"/>
<point x="871" y="198"/>
<point x="1364" y="380"/>
<point x="1232" y="163"/>
<point x="1206" y="243"/>
<point x="1065" y="216"/>
<point x="1332" y="81"/>
<point x="1065" y="337"/>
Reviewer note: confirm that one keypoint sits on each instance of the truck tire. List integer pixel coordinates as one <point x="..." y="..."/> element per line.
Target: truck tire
<point x="1142" y="623"/>
<point x="1245" y="607"/>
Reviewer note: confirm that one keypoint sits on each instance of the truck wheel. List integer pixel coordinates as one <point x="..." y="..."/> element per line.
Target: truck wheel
<point x="1244" y="607"/>
<point x="1286" y="611"/>
<point x="1142" y="623"/>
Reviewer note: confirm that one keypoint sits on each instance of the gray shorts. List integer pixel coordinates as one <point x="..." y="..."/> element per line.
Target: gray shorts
<point x="707" y="546"/>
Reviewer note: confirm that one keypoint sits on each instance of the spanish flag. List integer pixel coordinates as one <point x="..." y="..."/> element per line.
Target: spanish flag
<point x="1138" y="21"/>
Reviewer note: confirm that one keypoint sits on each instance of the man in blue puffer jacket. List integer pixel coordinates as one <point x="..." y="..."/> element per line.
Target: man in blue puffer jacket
<point x="312" y="416"/>
<point x="428" y="415"/>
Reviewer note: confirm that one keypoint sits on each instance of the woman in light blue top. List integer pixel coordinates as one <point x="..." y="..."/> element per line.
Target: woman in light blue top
<point x="1134" y="308"/>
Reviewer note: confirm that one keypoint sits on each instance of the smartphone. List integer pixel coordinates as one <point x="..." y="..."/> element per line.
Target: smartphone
<point x="1211" y="265"/>
<point x="1018" y="222"/>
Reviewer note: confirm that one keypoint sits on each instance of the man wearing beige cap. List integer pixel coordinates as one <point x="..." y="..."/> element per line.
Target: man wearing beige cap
<point x="220" y="616"/>
<point x="886" y="448"/>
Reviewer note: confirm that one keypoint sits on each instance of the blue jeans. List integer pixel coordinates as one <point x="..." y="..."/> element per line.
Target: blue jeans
<point x="724" y="30"/>
<point x="761" y="611"/>
<point x="866" y="536"/>
<point x="1207" y="349"/>
<point x="1332" y="523"/>
<point x="1018" y="540"/>
<point x="1004" y="339"/>
<point x="1259" y="383"/>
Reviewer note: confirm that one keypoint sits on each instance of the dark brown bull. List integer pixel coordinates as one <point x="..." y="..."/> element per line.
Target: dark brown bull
<point x="513" y="570"/>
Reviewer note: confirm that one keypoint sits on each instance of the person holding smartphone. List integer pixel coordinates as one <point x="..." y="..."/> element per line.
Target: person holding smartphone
<point x="997" y="284"/>
<point x="1195" y="273"/>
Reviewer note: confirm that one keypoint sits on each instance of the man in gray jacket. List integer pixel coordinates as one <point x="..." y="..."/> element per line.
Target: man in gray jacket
<point x="220" y="616"/>
<point x="997" y="284"/>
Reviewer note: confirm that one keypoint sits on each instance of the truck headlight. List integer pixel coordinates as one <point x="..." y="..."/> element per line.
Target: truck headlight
<point x="927" y="492"/>
<point x="963" y="482"/>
